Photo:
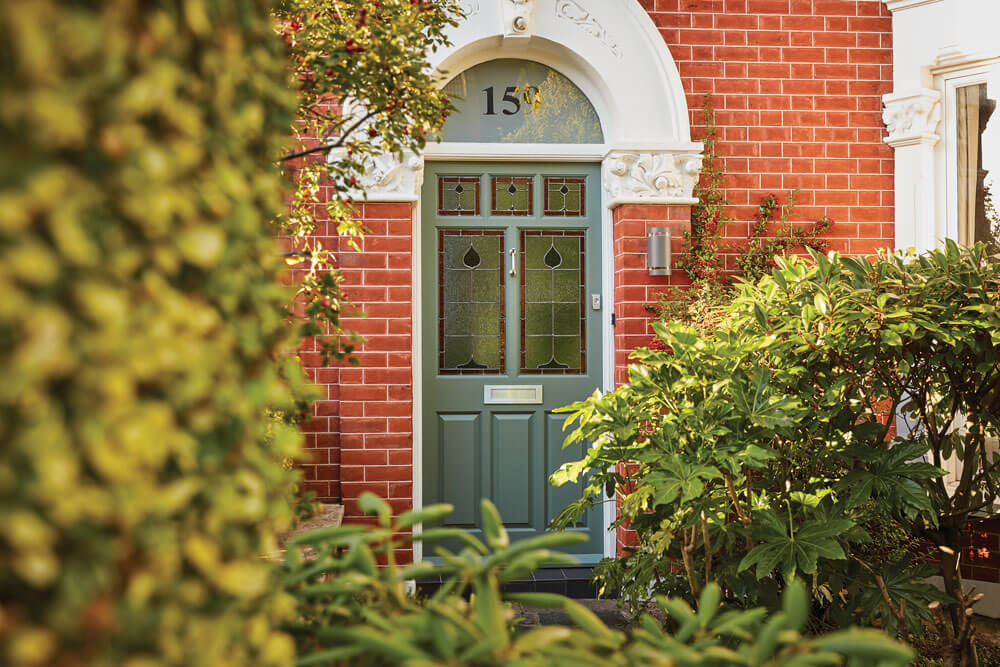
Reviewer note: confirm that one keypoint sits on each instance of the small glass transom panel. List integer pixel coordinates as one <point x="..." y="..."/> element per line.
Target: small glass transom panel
<point x="471" y="301"/>
<point x="519" y="101"/>
<point x="458" y="195"/>
<point x="553" y="318"/>
<point x="565" y="196"/>
<point x="512" y="195"/>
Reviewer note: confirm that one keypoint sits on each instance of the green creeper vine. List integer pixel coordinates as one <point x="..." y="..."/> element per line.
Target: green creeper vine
<point x="758" y="258"/>
<point x="703" y="260"/>
<point x="705" y="248"/>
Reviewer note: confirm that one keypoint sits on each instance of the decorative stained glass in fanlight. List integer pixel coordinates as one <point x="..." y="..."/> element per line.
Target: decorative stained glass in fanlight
<point x="553" y="319"/>
<point x="471" y="301"/>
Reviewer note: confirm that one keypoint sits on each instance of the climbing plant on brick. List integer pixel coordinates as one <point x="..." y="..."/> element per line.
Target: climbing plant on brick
<point x="366" y="90"/>
<point x="141" y="317"/>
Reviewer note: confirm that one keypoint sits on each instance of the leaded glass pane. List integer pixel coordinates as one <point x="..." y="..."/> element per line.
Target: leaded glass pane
<point x="471" y="301"/>
<point x="565" y="197"/>
<point x="553" y="318"/>
<point x="512" y="195"/>
<point x="458" y="195"/>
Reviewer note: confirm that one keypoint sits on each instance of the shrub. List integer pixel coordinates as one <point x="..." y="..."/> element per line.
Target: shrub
<point x="140" y="320"/>
<point x="356" y="613"/>
<point x="761" y="451"/>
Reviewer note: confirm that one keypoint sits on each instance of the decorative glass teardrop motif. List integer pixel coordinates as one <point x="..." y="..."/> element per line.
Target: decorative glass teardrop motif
<point x="471" y="258"/>
<point x="552" y="258"/>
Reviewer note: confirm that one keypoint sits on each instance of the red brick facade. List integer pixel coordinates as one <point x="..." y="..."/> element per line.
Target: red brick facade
<point x="797" y="88"/>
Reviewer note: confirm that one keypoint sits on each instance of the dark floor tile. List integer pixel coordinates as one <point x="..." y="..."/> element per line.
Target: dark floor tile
<point x="580" y="590"/>
<point x="550" y="574"/>
<point x="551" y="587"/>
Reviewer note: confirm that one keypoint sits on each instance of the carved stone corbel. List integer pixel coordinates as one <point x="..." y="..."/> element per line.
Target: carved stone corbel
<point x="665" y="177"/>
<point x="387" y="178"/>
<point x="912" y="118"/>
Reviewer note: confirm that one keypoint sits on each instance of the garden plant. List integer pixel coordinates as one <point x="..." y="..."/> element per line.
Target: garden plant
<point x="142" y="334"/>
<point x="763" y="450"/>
<point x="355" y="612"/>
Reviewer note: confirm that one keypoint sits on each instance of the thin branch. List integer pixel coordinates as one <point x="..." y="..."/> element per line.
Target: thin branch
<point x="708" y="549"/>
<point x="330" y="146"/>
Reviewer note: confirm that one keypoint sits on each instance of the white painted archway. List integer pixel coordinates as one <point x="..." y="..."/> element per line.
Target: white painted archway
<point x="612" y="51"/>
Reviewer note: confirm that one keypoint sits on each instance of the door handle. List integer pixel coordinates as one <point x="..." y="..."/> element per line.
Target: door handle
<point x="513" y="261"/>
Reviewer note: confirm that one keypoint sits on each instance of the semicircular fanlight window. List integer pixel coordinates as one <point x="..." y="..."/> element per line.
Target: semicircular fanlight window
<point x="519" y="101"/>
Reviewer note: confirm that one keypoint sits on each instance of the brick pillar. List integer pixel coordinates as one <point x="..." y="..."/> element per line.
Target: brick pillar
<point x="361" y="436"/>
<point x="635" y="288"/>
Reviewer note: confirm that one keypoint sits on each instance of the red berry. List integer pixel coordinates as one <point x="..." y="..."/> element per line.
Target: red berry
<point x="325" y="303"/>
<point x="372" y="132"/>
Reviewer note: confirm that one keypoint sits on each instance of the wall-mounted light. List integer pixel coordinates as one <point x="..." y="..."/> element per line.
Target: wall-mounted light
<point x="658" y="251"/>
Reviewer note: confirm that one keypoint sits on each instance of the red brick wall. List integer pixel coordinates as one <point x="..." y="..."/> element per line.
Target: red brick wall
<point x="362" y="435"/>
<point x="634" y="287"/>
<point x="797" y="86"/>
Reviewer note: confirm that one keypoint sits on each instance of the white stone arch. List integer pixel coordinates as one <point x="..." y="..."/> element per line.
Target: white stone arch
<point x="613" y="52"/>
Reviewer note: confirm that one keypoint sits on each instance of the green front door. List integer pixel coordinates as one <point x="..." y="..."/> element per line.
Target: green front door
<point x="511" y="266"/>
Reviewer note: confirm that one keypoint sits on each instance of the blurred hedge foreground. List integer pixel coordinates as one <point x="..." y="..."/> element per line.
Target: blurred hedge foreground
<point x="140" y="317"/>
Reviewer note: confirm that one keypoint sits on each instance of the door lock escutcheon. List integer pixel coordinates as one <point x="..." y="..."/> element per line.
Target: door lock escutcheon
<point x="595" y="301"/>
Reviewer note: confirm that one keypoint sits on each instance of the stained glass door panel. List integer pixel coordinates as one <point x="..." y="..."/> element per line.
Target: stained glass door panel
<point x="510" y="260"/>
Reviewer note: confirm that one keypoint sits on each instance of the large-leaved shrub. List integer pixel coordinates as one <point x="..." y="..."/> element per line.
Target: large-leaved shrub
<point x="763" y="450"/>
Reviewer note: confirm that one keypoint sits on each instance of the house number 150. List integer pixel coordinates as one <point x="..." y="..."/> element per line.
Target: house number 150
<point x="509" y="98"/>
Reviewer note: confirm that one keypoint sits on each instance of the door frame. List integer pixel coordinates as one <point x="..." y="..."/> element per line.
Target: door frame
<point x="537" y="153"/>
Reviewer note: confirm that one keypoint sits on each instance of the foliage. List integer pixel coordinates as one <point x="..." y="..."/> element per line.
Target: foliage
<point x="702" y="260"/>
<point x="365" y="90"/>
<point x="140" y="316"/>
<point x="761" y="450"/>
<point x="356" y="613"/>
<point x="704" y="257"/>
<point x="758" y="258"/>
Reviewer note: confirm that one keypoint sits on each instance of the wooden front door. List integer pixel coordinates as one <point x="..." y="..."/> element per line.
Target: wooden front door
<point x="511" y="266"/>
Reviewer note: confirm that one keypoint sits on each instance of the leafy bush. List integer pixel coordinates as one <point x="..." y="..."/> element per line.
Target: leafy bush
<point x="356" y="613"/>
<point x="761" y="450"/>
<point x="140" y="316"/>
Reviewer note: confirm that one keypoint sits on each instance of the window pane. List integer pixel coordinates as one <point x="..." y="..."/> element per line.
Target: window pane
<point x="512" y="195"/>
<point x="978" y="164"/>
<point x="553" y="318"/>
<point x="471" y="302"/>
<point x="565" y="196"/>
<point x="491" y="106"/>
<point x="458" y="195"/>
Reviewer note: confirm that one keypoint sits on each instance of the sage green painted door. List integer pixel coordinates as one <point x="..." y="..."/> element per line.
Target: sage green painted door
<point x="511" y="266"/>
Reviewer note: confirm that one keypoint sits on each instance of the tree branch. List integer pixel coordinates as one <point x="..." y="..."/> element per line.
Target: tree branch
<point x="329" y="146"/>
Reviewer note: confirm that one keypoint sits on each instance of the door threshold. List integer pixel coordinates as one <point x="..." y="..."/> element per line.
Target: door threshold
<point x="573" y="582"/>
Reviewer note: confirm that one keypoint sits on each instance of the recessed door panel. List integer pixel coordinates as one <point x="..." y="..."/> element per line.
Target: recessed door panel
<point x="458" y="464"/>
<point x="555" y="455"/>
<point x="513" y="437"/>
